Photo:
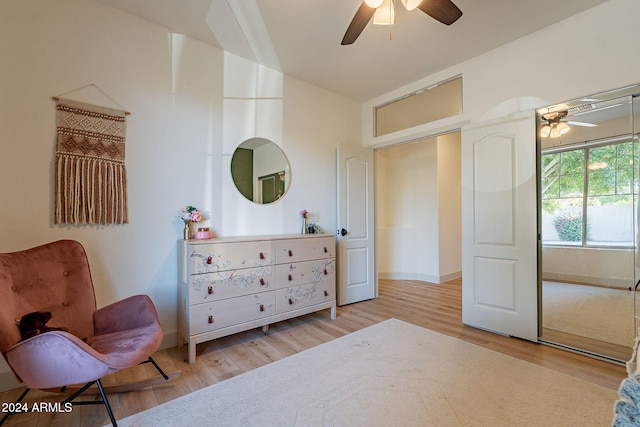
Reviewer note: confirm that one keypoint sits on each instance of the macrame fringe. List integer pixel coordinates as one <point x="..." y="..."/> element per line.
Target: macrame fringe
<point x="90" y="175"/>
<point x="90" y="191"/>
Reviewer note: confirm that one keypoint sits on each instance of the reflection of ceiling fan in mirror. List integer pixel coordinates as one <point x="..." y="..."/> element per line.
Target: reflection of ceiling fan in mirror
<point x="383" y="13"/>
<point x="554" y="124"/>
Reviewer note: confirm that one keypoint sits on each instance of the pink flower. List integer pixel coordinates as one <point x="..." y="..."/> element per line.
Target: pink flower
<point x="304" y="213"/>
<point x="190" y="213"/>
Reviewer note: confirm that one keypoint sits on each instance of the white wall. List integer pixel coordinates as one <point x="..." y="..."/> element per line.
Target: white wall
<point x="592" y="266"/>
<point x="418" y="210"/>
<point x="450" y="207"/>
<point x="181" y="132"/>
<point x="591" y="52"/>
<point x="407" y="211"/>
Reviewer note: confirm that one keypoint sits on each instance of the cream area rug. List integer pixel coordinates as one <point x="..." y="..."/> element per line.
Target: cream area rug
<point x="391" y="374"/>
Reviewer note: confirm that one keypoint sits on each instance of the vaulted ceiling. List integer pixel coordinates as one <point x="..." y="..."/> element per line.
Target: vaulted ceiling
<point x="302" y="37"/>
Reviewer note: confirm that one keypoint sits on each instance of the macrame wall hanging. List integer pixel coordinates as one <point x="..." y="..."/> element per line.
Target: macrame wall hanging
<point x="90" y="174"/>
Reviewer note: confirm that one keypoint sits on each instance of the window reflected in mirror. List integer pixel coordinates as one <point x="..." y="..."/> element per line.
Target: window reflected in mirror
<point x="260" y="171"/>
<point x="588" y="220"/>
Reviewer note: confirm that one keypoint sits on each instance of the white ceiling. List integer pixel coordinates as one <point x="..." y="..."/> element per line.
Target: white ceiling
<point x="302" y="37"/>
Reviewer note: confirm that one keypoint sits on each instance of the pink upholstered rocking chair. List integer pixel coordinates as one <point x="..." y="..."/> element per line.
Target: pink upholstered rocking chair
<point x="55" y="277"/>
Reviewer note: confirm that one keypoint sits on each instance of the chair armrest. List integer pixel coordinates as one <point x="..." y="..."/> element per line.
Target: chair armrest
<point x="130" y="313"/>
<point x="56" y="359"/>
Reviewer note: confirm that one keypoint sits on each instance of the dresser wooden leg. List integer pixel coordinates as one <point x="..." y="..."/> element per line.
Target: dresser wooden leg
<point x="192" y="351"/>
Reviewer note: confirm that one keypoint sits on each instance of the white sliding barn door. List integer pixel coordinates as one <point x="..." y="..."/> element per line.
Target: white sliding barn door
<point x="499" y="247"/>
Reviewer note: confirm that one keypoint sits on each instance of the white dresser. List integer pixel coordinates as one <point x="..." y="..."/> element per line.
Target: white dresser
<point x="229" y="285"/>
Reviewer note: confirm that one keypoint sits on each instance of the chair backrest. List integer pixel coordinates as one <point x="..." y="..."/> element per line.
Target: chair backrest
<point x="54" y="277"/>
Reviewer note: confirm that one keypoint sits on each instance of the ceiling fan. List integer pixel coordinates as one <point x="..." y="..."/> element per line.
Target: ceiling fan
<point x="555" y="125"/>
<point x="384" y="10"/>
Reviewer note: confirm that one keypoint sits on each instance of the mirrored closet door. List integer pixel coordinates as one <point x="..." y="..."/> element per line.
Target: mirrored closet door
<point x="588" y="223"/>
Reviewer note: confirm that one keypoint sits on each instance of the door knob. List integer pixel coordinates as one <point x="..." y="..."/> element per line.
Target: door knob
<point x="343" y="232"/>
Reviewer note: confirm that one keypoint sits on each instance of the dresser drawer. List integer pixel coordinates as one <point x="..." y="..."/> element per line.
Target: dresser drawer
<point x="214" y="257"/>
<point x="229" y="283"/>
<point x="305" y="295"/>
<point x="300" y="273"/>
<point x="219" y="314"/>
<point x="294" y="250"/>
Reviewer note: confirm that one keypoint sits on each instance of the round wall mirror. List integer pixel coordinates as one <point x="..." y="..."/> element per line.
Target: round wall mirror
<point x="260" y="171"/>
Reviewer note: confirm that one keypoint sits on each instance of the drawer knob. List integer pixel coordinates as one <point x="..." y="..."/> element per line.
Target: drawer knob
<point x="262" y="282"/>
<point x="326" y="294"/>
<point x="209" y="259"/>
<point x="326" y="250"/>
<point x="290" y="277"/>
<point x="325" y="272"/>
<point x="261" y="255"/>
<point x="290" y="252"/>
<point x="290" y="301"/>
<point x="261" y="307"/>
<point x="210" y="290"/>
<point x="210" y="319"/>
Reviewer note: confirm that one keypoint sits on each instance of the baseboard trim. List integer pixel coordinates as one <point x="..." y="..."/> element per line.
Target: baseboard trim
<point x="170" y="339"/>
<point x="8" y="381"/>
<point x="609" y="282"/>
<point x="421" y="277"/>
<point x="451" y="276"/>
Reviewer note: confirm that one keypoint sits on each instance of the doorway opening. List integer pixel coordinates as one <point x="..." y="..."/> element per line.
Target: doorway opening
<point x="418" y="210"/>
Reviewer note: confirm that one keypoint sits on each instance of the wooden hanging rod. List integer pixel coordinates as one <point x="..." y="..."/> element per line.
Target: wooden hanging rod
<point x="57" y="98"/>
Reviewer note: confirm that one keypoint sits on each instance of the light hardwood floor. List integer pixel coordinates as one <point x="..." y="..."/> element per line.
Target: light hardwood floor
<point x="435" y="307"/>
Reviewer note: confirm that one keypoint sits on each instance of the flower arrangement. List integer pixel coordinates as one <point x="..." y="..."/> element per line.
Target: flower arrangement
<point x="304" y="214"/>
<point x="189" y="214"/>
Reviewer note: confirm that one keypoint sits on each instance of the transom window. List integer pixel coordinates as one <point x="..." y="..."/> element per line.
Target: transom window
<point x="589" y="194"/>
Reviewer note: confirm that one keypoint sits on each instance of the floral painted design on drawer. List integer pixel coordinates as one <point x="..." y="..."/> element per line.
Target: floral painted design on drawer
<point x="300" y="273"/>
<point x="220" y="314"/>
<point x="305" y="295"/>
<point x="229" y="283"/>
<point x="304" y="249"/>
<point x="218" y="257"/>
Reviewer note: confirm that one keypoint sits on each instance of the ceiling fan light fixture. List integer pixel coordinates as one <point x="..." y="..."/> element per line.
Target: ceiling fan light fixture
<point x="411" y="4"/>
<point x="374" y="3"/>
<point x="385" y="14"/>
<point x="563" y="128"/>
<point x="559" y="129"/>
<point x="545" y="131"/>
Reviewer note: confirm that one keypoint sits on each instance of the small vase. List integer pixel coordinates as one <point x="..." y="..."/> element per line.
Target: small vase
<point x="305" y="230"/>
<point x="187" y="230"/>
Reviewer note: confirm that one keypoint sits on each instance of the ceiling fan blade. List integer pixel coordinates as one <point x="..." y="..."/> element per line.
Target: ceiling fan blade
<point x="359" y="21"/>
<point x="585" y="124"/>
<point x="442" y="10"/>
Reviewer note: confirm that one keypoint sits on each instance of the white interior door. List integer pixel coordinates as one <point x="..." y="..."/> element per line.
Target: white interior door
<point x="499" y="247"/>
<point x="357" y="280"/>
